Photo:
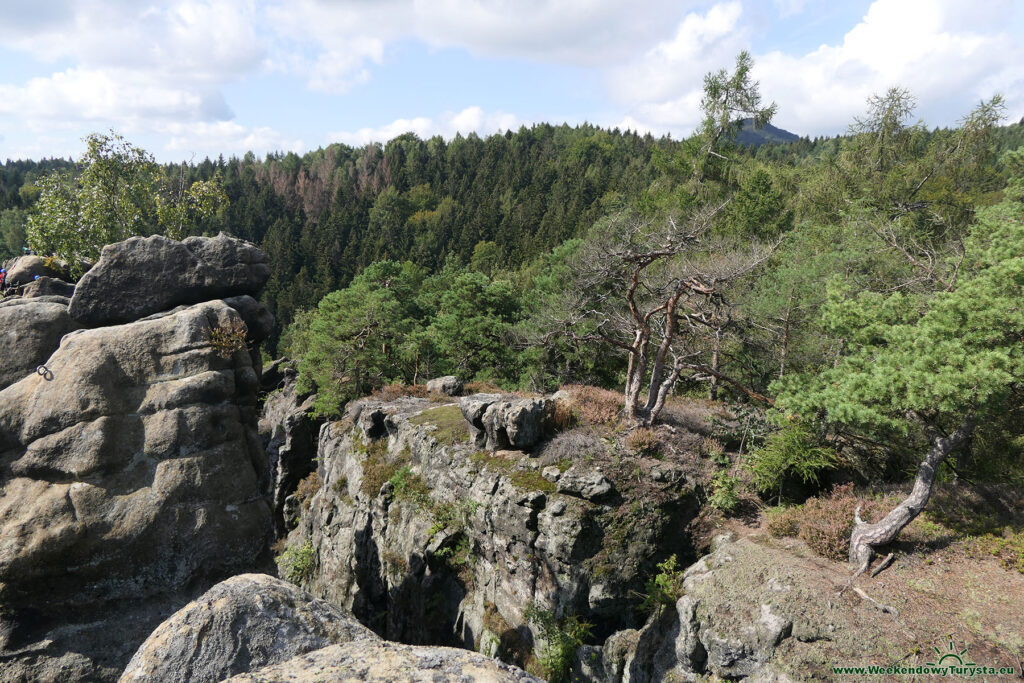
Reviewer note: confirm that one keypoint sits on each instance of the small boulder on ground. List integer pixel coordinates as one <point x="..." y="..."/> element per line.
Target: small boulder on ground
<point x="584" y="483"/>
<point x="449" y="385"/>
<point x="145" y="275"/>
<point x="24" y="269"/>
<point x="48" y="286"/>
<point x="241" y="624"/>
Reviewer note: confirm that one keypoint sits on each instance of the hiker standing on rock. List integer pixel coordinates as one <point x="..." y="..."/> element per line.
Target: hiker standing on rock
<point x="3" y="281"/>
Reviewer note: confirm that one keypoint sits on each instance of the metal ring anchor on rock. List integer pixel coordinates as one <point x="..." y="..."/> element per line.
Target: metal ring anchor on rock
<point x="45" y="372"/>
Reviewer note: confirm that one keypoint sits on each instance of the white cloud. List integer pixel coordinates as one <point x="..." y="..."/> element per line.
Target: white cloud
<point x="470" y="119"/>
<point x="930" y="47"/>
<point x="789" y="8"/>
<point x="944" y="51"/>
<point x="335" y="44"/>
<point x="131" y="63"/>
<point x="227" y="137"/>
<point x="194" y="39"/>
<point x="579" y="32"/>
<point x="123" y="96"/>
<point x="663" y="87"/>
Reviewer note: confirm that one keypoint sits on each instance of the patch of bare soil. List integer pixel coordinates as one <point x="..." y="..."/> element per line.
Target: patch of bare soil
<point x="953" y="584"/>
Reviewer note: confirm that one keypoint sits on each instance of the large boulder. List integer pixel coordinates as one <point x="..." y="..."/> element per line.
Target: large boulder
<point x="25" y="269"/>
<point x="132" y="479"/>
<point x="145" y="275"/>
<point x="30" y="330"/>
<point x="518" y="423"/>
<point x="48" y="286"/>
<point x="384" y="662"/>
<point x="449" y="385"/>
<point x="245" y="623"/>
<point x="499" y="423"/>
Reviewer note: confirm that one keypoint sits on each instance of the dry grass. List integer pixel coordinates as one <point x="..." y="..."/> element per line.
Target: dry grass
<point x="594" y="406"/>
<point x="306" y="489"/>
<point x="578" y="443"/>
<point x="644" y="442"/>
<point x="823" y="523"/>
<point x="482" y="387"/>
<point x="562" y="416"/>
<point x="390" y="392"/>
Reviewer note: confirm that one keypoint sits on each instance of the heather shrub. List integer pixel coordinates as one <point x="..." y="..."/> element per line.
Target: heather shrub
<point x="644" y="442"/>
<point x="307" y="489"/>
<point x="826" y="523"/>
<point x="595" y="406"/>
<point x="228" y="338"/>
<point x="782" y="521"/>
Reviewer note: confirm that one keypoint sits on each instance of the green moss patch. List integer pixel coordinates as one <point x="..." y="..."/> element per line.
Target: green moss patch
<point x="530" y="480"/>
<point x="451" y="426"/>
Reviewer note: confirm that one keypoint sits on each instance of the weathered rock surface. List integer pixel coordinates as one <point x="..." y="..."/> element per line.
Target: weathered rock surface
<point x="757" y="613"/>
<point x="241" y="624"/>
<point x="24" y="269"/>
<point x="290" y="435"/>
<point x="258" y="319"/>
<point x="498" y="423"/>
<point x="30" y="330"/>
<point x="428" y="540"/>
<point x="449" y="385"/>
<point x="145" y="275"/>
<point x="386" y="662"/>
<point x="132" y="479"/>
<point x="585" y="483"/>
<point x="48" y="286"/>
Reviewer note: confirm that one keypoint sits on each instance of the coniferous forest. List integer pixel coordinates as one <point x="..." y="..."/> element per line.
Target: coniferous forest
<point x="864" y="288"/>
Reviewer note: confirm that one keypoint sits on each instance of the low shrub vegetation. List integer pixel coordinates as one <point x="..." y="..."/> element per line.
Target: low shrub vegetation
<point x="665" y="587"/>
<point x="296" y="564"/>
<point x="644" y="442"/>
<point x="595" y="406"/>
<point x="561" y="639"/>
<point x="228" y="338"/>
<point x="307" y="489"/>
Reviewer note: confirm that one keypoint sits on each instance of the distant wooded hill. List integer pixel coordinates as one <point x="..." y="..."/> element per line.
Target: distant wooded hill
<point x="325" y="216"/>
<point x="760" y="136"/>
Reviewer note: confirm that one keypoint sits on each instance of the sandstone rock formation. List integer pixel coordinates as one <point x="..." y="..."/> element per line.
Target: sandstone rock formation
<point x="290" y="437"/>
<point x="500" y="423"/>
<point x="22" y="270"/>
<point x="30" y="330"/>
<point x="131" y="473"/>
<point x="48" y="286"/>
<point x="241" y="624"/>
<point x="449" y="385"/>
<point x="145" y="275"/>
<point x="429" y="540"/>
<point x="254" y="627"/>
<point x="384" y="662"/>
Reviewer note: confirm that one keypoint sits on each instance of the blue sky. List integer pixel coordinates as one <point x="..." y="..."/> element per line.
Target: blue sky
<point x="187" y="79"/>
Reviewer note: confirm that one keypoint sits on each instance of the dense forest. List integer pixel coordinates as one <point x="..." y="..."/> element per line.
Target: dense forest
<point x="863" y="288"/>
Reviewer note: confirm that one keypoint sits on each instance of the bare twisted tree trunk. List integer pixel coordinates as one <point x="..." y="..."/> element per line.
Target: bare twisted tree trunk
<point x="866" y="537"/>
